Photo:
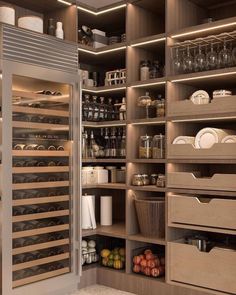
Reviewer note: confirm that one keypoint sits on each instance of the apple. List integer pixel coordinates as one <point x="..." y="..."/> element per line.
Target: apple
<point x="155" y="272"/>
<point x="147" y="271"/>
<point x="143" y="262"/>
<point x="137" y="268"/>
<point x="137" y="260"/>
<point x="149" y="256"/>
<point x="151" y="263"/>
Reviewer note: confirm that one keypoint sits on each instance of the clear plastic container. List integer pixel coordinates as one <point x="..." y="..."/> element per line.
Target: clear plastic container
<point x="145" y="147"/>
<point x="158" y="147"/>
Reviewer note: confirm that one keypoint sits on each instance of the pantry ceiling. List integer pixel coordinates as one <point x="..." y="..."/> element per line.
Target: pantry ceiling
<point x="98" y="4"/>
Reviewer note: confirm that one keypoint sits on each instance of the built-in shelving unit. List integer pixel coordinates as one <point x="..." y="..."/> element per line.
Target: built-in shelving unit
<point x="152" y="28"/>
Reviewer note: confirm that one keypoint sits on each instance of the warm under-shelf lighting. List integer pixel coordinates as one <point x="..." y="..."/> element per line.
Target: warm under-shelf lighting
<point x="149" y="84"/>
<point x="203" y="77"/>
<point x="102" y="51"/>
<point x="103" y="125"/>
<point x="203" y="119"/>
<point x="149" y="123"/>
<point x="65" y="2"/>
<point x="102" y="11"/>
<point x="203" y="30"/>
<point x="148" y="42"/>
<point x="104" y="90"/>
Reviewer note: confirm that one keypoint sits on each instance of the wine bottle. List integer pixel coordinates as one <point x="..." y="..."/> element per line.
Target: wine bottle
<point x="19" y="146"/>
<point x="60" y="148"/>
<point x="28" y="257"/>
<point x="51" y="163"/>
<point x="19" y="164"/>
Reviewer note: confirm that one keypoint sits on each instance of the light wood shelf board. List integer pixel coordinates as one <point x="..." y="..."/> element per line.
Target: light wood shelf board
<point x="41" y="97"/>
<point x="42" y="246"/>
<point x="42" y="261"/>
<point x="39" y="153"/>
<point x="28" y="217"/>
<point x="39" y="111"/>
<point x="35" y="185"/>
<point x="141" y="238"/>
<point x="40" y="277"/>
<point x="44" y="200"/>
<point x="148" y="188"/>
<point x="41" y="126"/>
<point x="50" y="169"/>
<point x="40" y="231"/>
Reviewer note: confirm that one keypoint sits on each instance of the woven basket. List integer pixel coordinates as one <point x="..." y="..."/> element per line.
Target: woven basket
<point x="151" y="217"/>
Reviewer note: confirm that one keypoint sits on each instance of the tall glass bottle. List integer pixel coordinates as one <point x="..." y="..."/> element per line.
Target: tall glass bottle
<point x="118" y="143"/>
<point x="123" y="144"/>
<point x="107" y="144"/>
<point x="85" y="145"/>
<point x="92" y="144"/>
<point x="113" y="151"/>
<point x="90" y="109"/>
<point x="111" y="111"/>
<point x="95" y="109"/>
<point x="102" y="109"/>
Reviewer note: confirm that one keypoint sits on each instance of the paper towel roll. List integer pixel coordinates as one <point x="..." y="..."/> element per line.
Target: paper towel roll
<point x="106" y="210"/>
<point x="7" y="15"/>
<point x="87" y="200"/>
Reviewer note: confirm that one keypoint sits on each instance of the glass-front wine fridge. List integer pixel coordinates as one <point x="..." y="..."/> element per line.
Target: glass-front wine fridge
<point x="39" y="179"/>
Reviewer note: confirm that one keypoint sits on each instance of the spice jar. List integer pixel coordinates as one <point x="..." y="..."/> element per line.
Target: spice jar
<point x="137" y="180"/>
<point x="160" y="105"/>
<point x="144" y="70"/>
<point x="146" y="180"/>
<point x="145" y="147"/>
<point x="153" y="179"/>
<point x="161" y="180"/>
<point x="158" y="147"/>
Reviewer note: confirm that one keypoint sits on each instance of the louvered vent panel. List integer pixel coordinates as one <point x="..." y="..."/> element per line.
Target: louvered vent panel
<point x="29" y="47"/>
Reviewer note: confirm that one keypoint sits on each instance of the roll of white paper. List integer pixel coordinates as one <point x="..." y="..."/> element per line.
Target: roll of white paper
<point x="106" y="210"/>
<point x="7" y="15"/>
<point x="85" y="211"/>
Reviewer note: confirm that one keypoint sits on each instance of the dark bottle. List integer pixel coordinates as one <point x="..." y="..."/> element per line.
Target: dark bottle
<point x="107" y="144"/>
<point x="123" y="144"/>
<point x="18" y="211"/>
<point x="51" y="163"/>
<point x="31" y="163"/>
<point x="95" y="109"/>
<point x="51" y="252"/>
<point x="116" y="110"/>
<point x="111" y="111"/>
<point x="40" y="255"/>
<point x="41" y="164"/>
<point x="18" y="195"/>
<point x="113" y="144"/>
<point x="51" y="27"/>
<point x="28" y="257"/>
<point x="20" y="164"/>
<point x="85" y="108"/>
<point x="19" y="179"/>
<point x="17" y="243"/>
<point x="17" y="259"/>
<point x="118" y="143"/>
<point x="102" y="110"/>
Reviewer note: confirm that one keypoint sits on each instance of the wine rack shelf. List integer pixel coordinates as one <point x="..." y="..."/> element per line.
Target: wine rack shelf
<point x="40" y="215"/>
<point x="35" y="97"/>
<point x="40" y="231"/>
<point x="39" y="185"/>
<point x="41" y="277"/>
<point x="42" y="261"/>
<point x="39" y="111"/>
<point x="41" y="126"/>
<point x="50" y="169"/>
<point x="41" y="246"/>
<point x="43" y="200"/>
<point x="39" y="153"/>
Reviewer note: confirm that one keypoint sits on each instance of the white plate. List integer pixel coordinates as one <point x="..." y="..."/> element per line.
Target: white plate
<point x="229" y="139"/>
<point x="200" y="97"/>
<point x="207" y="137"/>
<point x="184" y="140"/>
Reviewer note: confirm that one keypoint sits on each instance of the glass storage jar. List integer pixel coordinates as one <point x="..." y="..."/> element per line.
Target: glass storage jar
<point x="160" y="105"/>
<point x="153" y="179"/>
<point x="145" y="147"/>
<point x="144" y="70"/>
<point x="146" y="179"/>
<point x="158" y="147"/>
<point x="137" y="180"/>
<point x="161" y="181"/>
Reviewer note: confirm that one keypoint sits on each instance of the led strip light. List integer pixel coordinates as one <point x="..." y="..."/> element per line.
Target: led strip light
<point x="203" y="119"/>
<point x="105" y="90"/>
<point x="148" y="84"/>
<point x="148" y="42"/>
<point x="203" y="30"/>
<point x="203" y="77"/>
<point x="65" y="2"/>
<point x="102" y="11"/>
<point x="102" y="51"/>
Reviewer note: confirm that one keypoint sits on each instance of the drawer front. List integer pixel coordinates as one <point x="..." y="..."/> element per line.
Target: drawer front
<point x="218" y="213"/>
<point x="214" y="270"/>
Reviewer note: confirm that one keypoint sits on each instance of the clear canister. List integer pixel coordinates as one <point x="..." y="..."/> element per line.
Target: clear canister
<point x="145" y="147"/>
<point x="158" y="147"/>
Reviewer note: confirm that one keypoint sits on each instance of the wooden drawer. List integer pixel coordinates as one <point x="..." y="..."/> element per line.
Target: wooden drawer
<point x="224" y="182"/>
<point x="224" y="105"/>
<point x="188" y="151"/>
<point x="214" y="270"/>
<point x="217" y="213"/>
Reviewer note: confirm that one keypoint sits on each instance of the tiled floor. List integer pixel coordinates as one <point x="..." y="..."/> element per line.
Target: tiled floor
<point x="100" y="290"/>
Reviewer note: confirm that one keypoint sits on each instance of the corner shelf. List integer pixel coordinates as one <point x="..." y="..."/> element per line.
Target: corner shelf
<point x="116" y="230"/>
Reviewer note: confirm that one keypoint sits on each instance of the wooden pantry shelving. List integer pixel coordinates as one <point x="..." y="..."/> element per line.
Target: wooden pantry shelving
<point x="152" y="28"/>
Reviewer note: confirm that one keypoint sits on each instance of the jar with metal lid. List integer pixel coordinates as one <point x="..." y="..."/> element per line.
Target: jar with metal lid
<point x="145" y="147"/>
<point x="161" y="181"/>
<point x="144" y="70"/>
<point x="158" y="147"/>
<point x="153" y="179"/>
<point x="146" y="179"/>
<point x="137" y="180"/>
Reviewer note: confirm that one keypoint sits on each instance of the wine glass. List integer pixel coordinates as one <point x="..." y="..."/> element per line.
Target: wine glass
<point x="188" y="62"/>
<point x="225" y="57"/>
<point x="177" y="62"/>
<point x="212" y="58"/>
<point x="200" y="60"/>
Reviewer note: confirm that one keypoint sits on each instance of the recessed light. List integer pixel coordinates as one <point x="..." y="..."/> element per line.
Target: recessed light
<point x="148" y="42"/>
<point x="101" y="51"/>
<point x="102" y="11"/>
<point x="149" y="84"/>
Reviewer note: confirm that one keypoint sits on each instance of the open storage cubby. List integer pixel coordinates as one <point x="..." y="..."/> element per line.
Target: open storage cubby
<point x="67" y="14"/>
<point x="147" y="216"/>
<point x="220" y="150"/>
<point x="221" y="12"/>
